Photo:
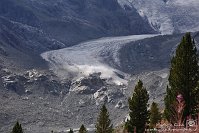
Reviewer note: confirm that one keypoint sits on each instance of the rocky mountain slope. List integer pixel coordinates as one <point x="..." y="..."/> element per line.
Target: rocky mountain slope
<point x="30" y="27"/>
<point x="65" y="86"/>
<point x="167" y="16"/>
<point x="50" y="102"/>
<point x="72" y="21"/>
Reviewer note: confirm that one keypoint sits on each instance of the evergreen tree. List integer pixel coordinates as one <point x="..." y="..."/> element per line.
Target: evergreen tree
<point x="138" y="104"/>
<point x="82" y="129"/>
<point x="183" y="78"/>
<point x="103" y="122"/>
<point x="155" y="115"/>
<point x="17" y="128"/>
<point x="71" y="131"/>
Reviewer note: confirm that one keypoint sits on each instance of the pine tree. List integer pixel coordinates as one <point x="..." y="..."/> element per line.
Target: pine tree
<point x="138" y="104"/>
<point x="103" y="122"/>
<point x="183" y="78"/>
<point x="17" y="128"/>
<point x="82" y="129"/>
<point x="71" y="131"/>
<point x="155" y="115"/>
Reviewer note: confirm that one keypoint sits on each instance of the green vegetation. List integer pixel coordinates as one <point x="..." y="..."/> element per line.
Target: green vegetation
<point x="138" y="104"/>
<point x="82" y="129"/>
<point x="155" y="115"/>
<point x="184" y="75"/>
<point x="103" y="122"/>
<point x="17" y="128"/>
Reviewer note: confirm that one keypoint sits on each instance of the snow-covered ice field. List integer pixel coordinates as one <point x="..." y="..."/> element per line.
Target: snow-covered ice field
<point x="88" y="57"/>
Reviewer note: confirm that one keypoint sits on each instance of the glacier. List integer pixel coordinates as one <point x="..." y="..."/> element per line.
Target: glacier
<point x="167" y="17"/>
<point x="88" y="57"/>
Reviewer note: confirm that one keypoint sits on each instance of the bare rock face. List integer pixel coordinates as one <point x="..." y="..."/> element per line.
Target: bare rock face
<point x="86" y="85"/>
<point x="98" y="88"/>
<point x="21" y="83"/>
<point x="120" y="105"/>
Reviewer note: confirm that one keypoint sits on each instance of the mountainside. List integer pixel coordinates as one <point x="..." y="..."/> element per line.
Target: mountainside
<point x="60" y="60"/>
<point x="72" y="21"/>
<point x="32" y="27"/>
<point x="44" y="101"/>
<point x="167" y="16"/>
<point x="20" y="45"/>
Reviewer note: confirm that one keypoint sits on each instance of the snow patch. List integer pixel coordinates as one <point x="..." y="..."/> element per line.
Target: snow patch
<point x="164" y="75"/>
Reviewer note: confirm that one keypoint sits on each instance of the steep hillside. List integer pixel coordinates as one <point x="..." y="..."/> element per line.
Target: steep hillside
<point x="84" y="60"/>
<point x="72" y="21"/>
<point x="167" y="16"/>
<point x="29" y="27"/>
<point x="20" y="45"/>
<point x="60" y="99"/>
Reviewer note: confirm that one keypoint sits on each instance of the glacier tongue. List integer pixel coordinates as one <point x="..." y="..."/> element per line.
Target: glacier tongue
<point x="167" y="17"/>
<point x="88" y="57"/>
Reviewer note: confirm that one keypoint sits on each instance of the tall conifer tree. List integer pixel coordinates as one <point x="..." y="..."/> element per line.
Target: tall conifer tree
<point x="139" y="114"/>
<point x="155" y="115"/>
<point x="17" y="128"/>
<point x="103" y="122"/>
<point x="82" y="129"/>
<point x="183" y="78"/>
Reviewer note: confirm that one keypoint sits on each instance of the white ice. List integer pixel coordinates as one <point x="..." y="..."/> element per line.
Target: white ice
<point x="88" y="57"/>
